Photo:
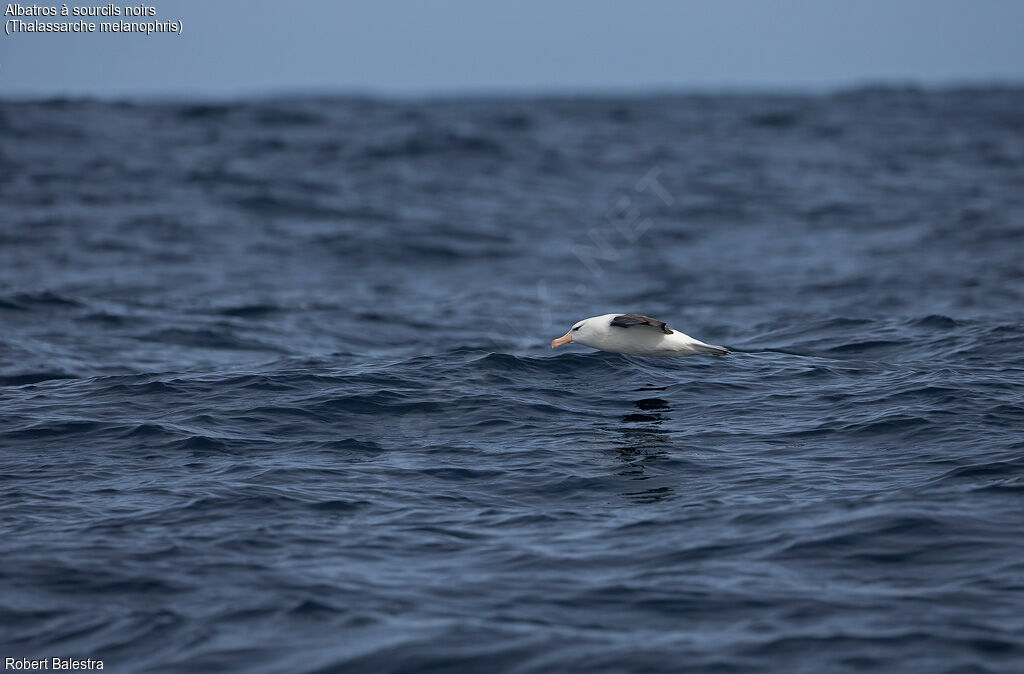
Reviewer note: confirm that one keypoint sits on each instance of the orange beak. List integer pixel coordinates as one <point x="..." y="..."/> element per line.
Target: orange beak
<point x="564" y="339"/>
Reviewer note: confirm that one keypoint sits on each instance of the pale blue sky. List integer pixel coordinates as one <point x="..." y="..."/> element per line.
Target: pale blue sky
<point x="239" y="47"/>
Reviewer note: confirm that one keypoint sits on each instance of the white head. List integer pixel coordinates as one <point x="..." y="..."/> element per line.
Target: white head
<point x="585" y="332"/>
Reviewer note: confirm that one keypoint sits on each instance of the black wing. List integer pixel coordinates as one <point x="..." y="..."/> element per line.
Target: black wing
<point x="627" y="320"/>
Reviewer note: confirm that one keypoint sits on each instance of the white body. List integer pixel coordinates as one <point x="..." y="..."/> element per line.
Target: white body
<point x="635" y="340"/>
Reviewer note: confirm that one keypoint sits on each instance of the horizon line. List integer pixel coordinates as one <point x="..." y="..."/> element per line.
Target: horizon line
<point x="521" y="92"/>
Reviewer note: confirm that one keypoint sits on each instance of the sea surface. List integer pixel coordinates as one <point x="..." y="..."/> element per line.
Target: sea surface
<point x="276" y="393"/>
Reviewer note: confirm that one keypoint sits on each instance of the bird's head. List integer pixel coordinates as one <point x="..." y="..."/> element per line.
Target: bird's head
<point x="581" y="333"/>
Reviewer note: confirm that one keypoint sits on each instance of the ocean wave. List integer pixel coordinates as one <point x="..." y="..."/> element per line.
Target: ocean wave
<point x="278" y="393"/>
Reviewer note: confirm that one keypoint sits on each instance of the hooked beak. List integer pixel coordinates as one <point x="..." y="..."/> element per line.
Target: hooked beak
<point x="564" y="339"/>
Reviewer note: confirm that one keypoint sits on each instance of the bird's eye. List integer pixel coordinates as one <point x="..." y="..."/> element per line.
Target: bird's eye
<point x="577" y="327"/>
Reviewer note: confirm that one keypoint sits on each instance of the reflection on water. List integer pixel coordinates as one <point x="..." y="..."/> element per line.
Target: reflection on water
<point x="652" y="405"/>
<point x="642" y="441"/>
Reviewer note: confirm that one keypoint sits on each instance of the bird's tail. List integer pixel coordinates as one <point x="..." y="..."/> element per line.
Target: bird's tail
<point x="701" y="347"/>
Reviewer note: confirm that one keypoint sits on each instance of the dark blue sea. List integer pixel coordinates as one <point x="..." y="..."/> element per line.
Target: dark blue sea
<point x="277" y="394"/>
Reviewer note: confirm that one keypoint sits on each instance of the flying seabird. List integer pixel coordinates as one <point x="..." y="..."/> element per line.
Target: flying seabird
<point x="636" y="335"/>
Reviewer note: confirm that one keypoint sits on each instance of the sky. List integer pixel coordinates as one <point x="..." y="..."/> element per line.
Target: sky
<point x="230" y="48"/>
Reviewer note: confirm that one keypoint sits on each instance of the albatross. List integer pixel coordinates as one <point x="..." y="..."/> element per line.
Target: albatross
<point x="636" y="335"/>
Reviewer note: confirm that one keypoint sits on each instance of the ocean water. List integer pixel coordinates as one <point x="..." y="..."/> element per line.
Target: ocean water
<point x="277" y="395"/>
